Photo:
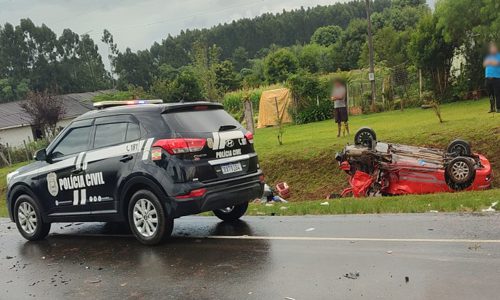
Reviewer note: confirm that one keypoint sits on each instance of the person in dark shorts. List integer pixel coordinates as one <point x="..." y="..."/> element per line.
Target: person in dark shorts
<point x="492" y="73"/>
<point x="339" y="98"/>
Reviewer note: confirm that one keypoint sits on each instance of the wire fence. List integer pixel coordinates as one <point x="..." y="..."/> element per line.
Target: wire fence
<point x="398" y="87"/>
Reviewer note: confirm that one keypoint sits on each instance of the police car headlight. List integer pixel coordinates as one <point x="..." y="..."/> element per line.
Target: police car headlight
<point x="11" y="175"/>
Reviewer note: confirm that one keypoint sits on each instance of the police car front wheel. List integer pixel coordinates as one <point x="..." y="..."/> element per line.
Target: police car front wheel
<point x="29" y="220"/>
<point x="148" y="220"/>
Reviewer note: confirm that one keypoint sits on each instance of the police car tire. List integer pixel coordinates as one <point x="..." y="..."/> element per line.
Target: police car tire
<point x="234" y="215"/>
<point x="165" y="222"/>
<point x="42" y="229"/>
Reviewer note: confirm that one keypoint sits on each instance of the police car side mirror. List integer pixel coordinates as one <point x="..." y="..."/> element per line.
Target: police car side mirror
<point x="41" y="155"/>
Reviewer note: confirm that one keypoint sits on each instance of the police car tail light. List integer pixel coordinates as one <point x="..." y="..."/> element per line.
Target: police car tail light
<point x="179" y="146"/>
<point x="193" y="194"/>
<point x="249" y="137"/>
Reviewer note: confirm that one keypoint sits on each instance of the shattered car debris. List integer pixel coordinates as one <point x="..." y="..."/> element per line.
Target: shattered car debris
<point x="381" y="169"/>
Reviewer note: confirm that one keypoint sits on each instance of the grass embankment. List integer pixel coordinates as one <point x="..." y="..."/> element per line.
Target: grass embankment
<point x="451" y="202"/>
<point x="3" y="186"/>
<point x="306" y="160"/>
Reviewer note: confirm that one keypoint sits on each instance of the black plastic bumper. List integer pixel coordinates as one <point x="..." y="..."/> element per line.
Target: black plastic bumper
<point x="222" y="194"/>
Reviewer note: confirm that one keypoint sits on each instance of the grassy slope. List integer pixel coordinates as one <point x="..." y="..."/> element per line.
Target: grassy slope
<point x="452" y="202"/>
<point x="306" y="160"/>
<point x="3" y="186"/>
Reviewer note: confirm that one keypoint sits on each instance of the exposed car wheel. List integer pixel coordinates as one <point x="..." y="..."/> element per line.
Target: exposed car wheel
<point x="459" y="148"/>
<point x="28" y="217"/>
<point x="147" y="218"/>
<point x="460" y="173"/>
<point x="232" y="213"/>
<point x="365" y="137"/>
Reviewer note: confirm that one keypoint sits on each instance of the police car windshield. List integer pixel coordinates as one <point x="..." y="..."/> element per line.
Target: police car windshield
<point x="200" y="120"/>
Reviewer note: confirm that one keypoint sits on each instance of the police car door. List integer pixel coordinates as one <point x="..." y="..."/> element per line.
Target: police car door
<point x="115" y="146"/>
<point x="65" y="180"/>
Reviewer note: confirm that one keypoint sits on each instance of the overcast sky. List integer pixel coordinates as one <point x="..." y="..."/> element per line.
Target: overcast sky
<point x="137" y="24"/>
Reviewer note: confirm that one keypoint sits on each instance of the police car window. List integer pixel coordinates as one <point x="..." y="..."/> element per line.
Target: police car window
<point x="199" y="121"/>
<point x="109" y="134"/>
<point x="133" y="132"/>
<point x="77" y="140"/>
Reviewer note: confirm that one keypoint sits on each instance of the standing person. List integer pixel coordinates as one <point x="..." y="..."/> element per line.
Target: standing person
<point x="492" y="73"/>
<point x="339" y="98"/>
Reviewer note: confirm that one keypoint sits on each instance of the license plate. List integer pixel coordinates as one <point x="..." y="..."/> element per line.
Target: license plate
<point x="231" y="168"/>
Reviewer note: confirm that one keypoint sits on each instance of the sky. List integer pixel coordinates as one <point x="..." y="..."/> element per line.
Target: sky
<point x="137" y="24"/>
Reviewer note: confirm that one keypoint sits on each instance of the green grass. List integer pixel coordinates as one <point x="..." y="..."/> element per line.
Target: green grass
<point x="306" y="160"/>
<point x="446" y="202"/>
<point x="3" y="186"/>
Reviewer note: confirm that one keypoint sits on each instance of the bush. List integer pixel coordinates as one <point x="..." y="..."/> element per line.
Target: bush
<point x="21" y="154"/>
<point x="313" y="113"/>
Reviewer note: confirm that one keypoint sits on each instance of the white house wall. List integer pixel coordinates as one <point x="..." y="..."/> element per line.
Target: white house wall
<point x="15" y="136"/>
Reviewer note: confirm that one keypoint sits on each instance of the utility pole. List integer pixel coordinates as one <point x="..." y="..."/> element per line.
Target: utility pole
<point x="371" y="76"/>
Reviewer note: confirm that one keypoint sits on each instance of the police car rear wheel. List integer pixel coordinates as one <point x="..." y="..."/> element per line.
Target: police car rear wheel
<point x="148" y="219"/>
<point x="28" y="219"/>
<point x="231" y="213"/>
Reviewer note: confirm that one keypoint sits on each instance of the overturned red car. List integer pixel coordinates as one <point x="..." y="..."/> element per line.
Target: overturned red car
<point x="382" y="169"/>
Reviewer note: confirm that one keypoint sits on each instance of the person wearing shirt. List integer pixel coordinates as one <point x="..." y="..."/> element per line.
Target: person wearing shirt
<point x="339" y="98"/>
<point x="492" y="73"/>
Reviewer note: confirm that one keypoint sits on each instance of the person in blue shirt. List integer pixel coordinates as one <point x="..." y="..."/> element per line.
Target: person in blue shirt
<point x="492" y="73"/>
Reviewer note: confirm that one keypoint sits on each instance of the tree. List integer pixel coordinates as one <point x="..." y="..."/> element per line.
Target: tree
<point x="240" y="58"/>
<point x="134" y="69"/>
<point x="469" y="33"/>
<point x="279" y="65"/>
<point x="45" y="112"/>
<point x="354" y="38"/>
<point x="205" y="59"/>
<point x="326" y="36"/>
<point x="430" y="52"/>
<point x="225" y="77"/>
<point x="389" y="46"/>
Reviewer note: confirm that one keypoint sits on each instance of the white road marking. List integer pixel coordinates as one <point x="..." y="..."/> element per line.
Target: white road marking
<point x="356" y="239"/>
<point x="304" y="238"/>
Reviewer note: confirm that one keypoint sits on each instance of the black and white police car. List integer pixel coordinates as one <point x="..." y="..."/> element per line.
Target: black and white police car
<point x="140" y="164"/>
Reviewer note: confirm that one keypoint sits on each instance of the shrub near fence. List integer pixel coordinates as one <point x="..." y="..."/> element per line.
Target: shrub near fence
<point x="233" y="101"/>
<point x="14" y="155"/>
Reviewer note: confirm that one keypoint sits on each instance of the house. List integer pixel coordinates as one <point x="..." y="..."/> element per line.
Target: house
<point x="15" y="124"/>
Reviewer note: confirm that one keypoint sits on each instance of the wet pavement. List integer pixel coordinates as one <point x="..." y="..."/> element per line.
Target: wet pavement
<point x="420" y="256"/>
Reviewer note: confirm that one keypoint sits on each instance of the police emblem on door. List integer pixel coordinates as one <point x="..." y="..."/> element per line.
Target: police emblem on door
<point x="52" y="185"/>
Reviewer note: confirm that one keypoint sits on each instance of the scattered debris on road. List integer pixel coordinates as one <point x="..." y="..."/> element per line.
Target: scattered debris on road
<point x="389" y="251"/>
<point x="492" y="207"/>
<point x="289" y="298"/>
<point x="476" y="247"/>
<point x="352" y="275"/>
<point x="310" y="229"/>
<point x="407" y="279"/>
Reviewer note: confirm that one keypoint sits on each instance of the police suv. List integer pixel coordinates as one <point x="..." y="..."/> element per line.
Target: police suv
<point x="140" y="164"/>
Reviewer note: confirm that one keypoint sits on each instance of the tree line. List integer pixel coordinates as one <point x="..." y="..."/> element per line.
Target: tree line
<point x="206" y="63"/>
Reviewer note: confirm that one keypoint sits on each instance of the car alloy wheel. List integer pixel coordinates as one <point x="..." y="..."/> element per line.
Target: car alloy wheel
<point x="145" y="218"/>
<point x="26" y="215"/>
<point x="460" y="170"/>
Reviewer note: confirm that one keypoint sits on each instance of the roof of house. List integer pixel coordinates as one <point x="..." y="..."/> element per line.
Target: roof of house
<point x="13" y="115"/>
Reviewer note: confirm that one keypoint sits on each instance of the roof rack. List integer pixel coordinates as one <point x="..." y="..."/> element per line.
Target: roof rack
<point x="105" y="104"/>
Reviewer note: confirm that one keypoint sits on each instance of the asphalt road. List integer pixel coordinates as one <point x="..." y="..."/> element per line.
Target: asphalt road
<point x="421" y="256"/>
